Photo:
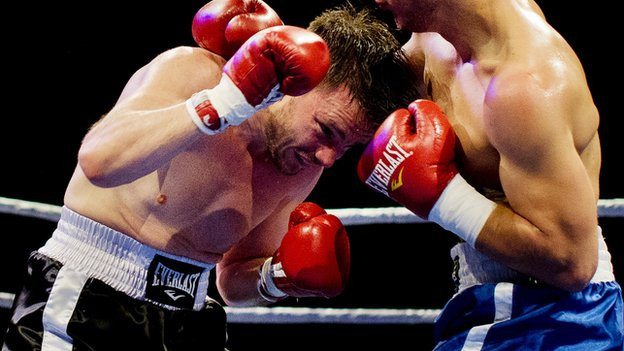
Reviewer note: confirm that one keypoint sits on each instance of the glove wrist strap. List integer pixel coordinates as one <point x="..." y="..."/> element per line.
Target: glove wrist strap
<point x="204" y="115"/>
<point x="213" y="110"/>
<point x="266" y="286"/>
<point x="462" y="210"/>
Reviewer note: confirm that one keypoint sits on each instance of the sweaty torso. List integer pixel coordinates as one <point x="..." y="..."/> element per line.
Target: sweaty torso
<point x="460" y="88"/>
<point x="199" y="204"/>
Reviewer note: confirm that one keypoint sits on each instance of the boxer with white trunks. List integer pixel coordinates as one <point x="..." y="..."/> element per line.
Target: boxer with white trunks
<point x="204" y="162"/>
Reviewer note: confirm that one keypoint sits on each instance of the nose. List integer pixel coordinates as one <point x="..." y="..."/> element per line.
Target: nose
<point x="326" y="156"/>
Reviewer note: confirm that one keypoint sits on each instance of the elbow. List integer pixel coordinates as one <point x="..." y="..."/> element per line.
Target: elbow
<point x="93" y="167"/>
<point x="89" y="165"/>
<point x="228" y="298"/>
<point x="230" y="293"/>
<point x="232" y="301"/>
<point x="577" y="273"/>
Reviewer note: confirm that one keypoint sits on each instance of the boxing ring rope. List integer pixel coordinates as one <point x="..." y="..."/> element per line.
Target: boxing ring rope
<point x="296" y="315"/>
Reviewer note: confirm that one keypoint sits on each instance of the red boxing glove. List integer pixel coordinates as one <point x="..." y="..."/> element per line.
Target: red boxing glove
<point x="304" y="212"/>
<point x="411" y="157"/>
<point x="222" y="26"/>
<point x="411" y="160"/>
<point x="312" y="260"/>
<point x="277" y="61"/>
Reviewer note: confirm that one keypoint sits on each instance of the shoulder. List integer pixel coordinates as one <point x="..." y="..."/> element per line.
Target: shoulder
<point x="176" y="73"/>
<point x="185" y="60"/>
<point x="528" y="109"/>
<point x="522" y="110"/>
<point x="535" y="94"/>
<point x="182" y="54"/>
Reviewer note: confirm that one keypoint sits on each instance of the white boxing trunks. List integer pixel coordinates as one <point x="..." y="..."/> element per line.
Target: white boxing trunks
<point x="93" y="288"/>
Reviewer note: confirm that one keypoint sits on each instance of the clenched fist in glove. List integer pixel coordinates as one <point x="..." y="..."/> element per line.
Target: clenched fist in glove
<point x="222" y="26"/>
<point x="411" y="159"/>
<point x="277" y="61"/>
<point x="312" y="260"/>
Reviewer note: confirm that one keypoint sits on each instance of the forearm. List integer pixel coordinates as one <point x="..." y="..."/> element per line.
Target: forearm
<point x="128" y="144"/>
<point x="556" y="255"/>
<point x="238" y="282"/>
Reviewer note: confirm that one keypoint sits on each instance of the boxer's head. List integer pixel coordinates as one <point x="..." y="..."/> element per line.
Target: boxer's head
<point x="367" y="59"/>
<point x="369" y="77"/>
<point x="314" y="130"/>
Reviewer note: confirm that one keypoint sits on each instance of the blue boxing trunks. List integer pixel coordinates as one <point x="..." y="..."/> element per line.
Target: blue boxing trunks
<point x="92" y="288"/>
<point x="496" y="309"/>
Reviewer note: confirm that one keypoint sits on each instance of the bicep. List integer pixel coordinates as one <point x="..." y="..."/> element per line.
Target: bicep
<point x="265" y="238"/>
<point x="262" y="240"/>
<point x="541" y="172"/>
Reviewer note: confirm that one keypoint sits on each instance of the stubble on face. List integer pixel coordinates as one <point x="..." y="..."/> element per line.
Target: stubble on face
<point x="278" y="139"/>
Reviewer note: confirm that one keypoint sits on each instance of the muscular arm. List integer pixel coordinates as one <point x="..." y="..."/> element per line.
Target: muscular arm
<point x="149" y="124"/>
<point x="549" y="229"/>
<point x="237" y="273"/>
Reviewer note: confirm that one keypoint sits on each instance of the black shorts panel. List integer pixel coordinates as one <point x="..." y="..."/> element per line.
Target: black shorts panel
<point x="25" y="329"/>
<point x="105" y="319"/>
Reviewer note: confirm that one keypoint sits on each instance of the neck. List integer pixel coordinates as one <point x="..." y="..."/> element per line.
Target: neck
<point x="469" y="25"/>
<point x="254" y="130"/>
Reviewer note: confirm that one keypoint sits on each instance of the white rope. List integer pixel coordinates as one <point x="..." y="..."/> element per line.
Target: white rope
<point x="30" y="209"/>
<point x="300" y="315"/>
<point x="381" y="215"/>
<point x="349" y="216"/>
<point x="6" y="300"/>
<point x="611" y="208"/>
<point x="289" y="315"/>
<point x="292" y="315"/>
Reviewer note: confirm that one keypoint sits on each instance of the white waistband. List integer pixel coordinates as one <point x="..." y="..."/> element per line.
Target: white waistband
<point x="115" y="258"/>
<point x="474" y="268"/>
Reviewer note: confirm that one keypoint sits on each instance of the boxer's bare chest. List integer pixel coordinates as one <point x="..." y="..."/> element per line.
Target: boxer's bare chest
<point x="214" y="199"/>
<point x="460" y="90"/>
<point x="198" y="205"/>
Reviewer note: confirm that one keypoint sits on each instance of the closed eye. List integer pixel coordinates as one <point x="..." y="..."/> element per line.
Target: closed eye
<point x="326" y="130"/>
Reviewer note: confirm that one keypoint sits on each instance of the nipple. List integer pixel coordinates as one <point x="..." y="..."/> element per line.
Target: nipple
<point x="162" y="198"/>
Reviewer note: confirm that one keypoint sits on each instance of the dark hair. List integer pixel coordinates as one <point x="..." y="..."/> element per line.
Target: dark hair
<point x="367" y="59"/>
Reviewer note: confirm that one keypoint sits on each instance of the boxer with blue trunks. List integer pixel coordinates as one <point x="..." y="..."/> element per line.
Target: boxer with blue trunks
<point x="503" y="150"/>
<point x="497" y="308"/>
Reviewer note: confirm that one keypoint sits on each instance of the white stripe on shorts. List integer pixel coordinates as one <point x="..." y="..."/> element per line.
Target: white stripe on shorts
<point x="503" y="301"/>
<point x="59" y="309"/>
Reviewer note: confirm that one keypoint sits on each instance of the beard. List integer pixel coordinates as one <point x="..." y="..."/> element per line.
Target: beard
<point x="279" y="139"/>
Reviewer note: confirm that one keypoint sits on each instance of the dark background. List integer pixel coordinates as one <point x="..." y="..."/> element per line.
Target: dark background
<point x="65" y="65"/>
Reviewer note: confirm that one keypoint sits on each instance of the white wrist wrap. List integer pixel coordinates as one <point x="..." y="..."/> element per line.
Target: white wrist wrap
<point x="230" y="102"/>
<point x="274" y="96"/>
<point x="266" y="286"/>
<point x="462" y="210"/>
